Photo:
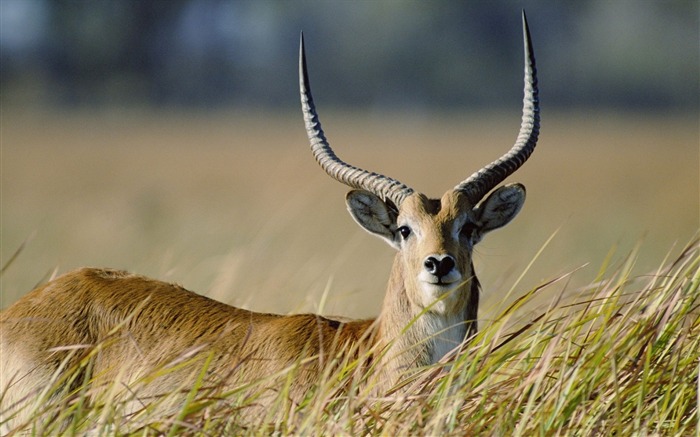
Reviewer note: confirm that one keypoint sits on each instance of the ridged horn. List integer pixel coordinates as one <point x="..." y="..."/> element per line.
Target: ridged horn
<point x="383" y="186"/>
<point x="478" y="184"/>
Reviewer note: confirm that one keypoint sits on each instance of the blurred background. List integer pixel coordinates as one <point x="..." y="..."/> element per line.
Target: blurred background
<point x="374" y="54"/>
<point x="164" y="137"/>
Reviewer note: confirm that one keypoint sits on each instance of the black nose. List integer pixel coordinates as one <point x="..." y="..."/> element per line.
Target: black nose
<point x="440" y="267"/>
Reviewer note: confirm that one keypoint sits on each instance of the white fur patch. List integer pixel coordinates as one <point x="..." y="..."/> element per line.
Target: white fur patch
<point x="449" y="333"/>
<point x="438" y="297"/>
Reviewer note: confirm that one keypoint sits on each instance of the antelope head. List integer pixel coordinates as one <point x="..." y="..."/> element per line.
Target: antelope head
<point x="434" y="237"/>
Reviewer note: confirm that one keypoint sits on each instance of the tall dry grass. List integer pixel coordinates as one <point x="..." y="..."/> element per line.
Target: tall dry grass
<point x="620" y="358"/>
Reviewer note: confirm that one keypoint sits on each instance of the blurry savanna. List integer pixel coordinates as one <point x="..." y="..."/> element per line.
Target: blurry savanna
<point x="179" y="153"/>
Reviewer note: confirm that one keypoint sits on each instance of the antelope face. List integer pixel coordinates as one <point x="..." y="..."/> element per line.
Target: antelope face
<point x="435" y="238"/>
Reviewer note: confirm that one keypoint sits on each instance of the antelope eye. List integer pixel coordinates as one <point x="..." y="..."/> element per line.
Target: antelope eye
<point x="468" y="230"/>
<point x="405" y="231"/>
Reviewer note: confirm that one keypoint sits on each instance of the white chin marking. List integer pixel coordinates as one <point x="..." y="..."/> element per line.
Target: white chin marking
<point x="439" y="297"/>
<point x="451" y="279"/>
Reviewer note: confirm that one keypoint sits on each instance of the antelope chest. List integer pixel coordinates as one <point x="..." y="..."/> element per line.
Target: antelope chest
<point x="449" y="332"/>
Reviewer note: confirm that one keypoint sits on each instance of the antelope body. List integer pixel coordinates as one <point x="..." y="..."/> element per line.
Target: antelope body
<point x="430" y="306"/>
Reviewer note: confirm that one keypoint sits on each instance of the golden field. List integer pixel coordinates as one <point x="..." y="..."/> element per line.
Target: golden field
<point x="232" y="205"/>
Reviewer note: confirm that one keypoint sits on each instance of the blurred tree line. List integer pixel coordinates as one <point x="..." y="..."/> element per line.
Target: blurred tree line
<point x="639" y="54"/>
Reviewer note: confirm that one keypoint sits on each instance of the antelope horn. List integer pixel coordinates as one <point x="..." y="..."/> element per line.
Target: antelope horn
<point x="383" y="186"/>
<point x="481" y="182"/>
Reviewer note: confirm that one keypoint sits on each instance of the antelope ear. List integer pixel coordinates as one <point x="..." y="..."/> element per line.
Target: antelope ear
<point x="500" y="207"/>
<point x="373" y="214"/>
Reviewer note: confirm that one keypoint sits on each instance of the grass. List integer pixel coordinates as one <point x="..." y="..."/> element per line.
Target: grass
<point x="622" y="357"/>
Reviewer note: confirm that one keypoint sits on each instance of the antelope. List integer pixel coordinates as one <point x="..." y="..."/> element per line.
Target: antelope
<point x="430" y="306"/>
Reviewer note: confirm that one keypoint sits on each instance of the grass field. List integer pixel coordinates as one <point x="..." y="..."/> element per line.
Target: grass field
<point x="233" y="206"/>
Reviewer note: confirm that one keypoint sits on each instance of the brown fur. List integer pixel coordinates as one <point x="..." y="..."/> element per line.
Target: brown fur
<point x="148" y="323"/>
